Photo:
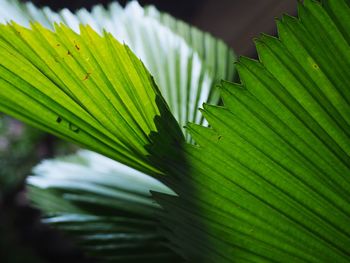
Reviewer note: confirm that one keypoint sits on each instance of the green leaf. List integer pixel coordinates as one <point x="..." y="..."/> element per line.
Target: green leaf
<point x="186" y="81"/>
<point x="187" y="63"/>
<point x="86" y="88"/>
<point x="268" y="181"/>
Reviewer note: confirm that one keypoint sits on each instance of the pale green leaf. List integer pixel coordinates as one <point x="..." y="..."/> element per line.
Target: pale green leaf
<point x="103" y="206"/>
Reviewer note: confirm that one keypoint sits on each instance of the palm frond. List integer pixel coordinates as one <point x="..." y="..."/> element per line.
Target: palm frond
<point x="214" y="53"/>
<point x="187" y="63"/>
<point x="269" y="181"/>
<point x="187" y="84"/>
<point x="86" y="88"/>
<point x="104" y="206"/>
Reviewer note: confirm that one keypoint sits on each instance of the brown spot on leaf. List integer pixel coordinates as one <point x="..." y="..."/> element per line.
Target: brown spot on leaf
<point x="87" y="76"/>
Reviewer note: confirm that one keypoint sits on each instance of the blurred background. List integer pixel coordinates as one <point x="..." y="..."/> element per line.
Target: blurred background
<point x="235" y="21"/>
<point x="22" y="237"/>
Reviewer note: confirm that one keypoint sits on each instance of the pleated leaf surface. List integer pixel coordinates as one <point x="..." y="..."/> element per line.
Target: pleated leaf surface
<point x="103" y="206"/>
<point x="187" y="64"/>
<point x="86" y="88"/>
<point x="269" y="180"/>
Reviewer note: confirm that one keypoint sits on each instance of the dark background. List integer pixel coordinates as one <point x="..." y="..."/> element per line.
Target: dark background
<point x="237" y="22"/>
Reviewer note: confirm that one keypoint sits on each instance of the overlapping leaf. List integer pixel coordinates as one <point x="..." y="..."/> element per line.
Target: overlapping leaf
<point x="104" y="206"/>
<point x="85" y="88"/>
<point x="186" y="82"/>
<point x="270" y="181"/>
<point x="187" y="64"/>
<point x="213" y="52"/>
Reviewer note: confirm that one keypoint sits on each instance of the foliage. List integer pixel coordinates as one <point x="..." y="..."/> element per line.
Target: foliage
<point x="172" y="54"/>
<point x="267" y="181"/>
<point x="185" y="62"/>
<point x="106" y="207"/>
